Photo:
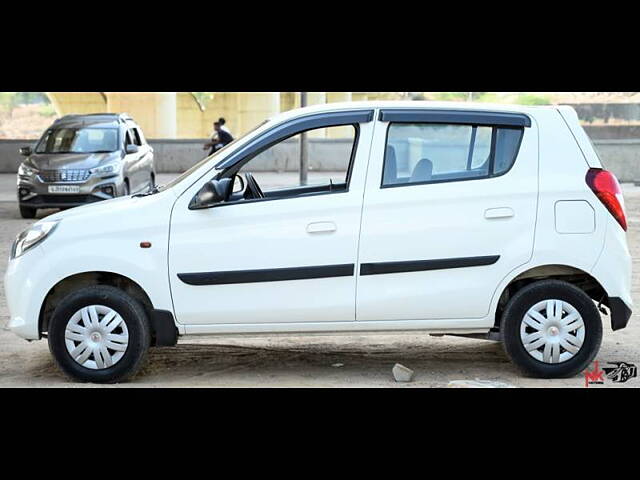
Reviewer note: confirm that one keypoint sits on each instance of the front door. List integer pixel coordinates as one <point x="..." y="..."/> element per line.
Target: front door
<point x="286" y="258"/>
<point x="449" y="211"/>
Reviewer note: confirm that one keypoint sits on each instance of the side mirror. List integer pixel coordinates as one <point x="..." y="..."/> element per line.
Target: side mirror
<point x="132" y="149"/>
<point x="25" y="151"/>
<point x="212" y="193"/>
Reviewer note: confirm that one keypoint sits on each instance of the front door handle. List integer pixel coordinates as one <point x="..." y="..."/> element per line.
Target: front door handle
<point x="493" y="213"/>
<point x="321" y="227"/>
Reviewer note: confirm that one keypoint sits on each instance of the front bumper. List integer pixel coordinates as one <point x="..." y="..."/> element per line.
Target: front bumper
<point x="25" y="289"/>
<point x="33" y="192"/>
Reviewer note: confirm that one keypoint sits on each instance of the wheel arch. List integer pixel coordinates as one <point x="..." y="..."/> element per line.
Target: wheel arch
<point x="570" y="274"/>
<point x="85" y="279"/>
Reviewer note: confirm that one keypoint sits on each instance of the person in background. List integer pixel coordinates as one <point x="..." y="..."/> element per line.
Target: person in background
<point x="219" y="139"/>
<point x="223" y="125"/>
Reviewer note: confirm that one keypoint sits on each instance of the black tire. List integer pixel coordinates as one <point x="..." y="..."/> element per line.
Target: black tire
<point x="529" y="296"/>
<point x="126" y="190"/>
<point x="134" y="316"/>
<point x="152" y="181"/>
<point x="28" y="212"/>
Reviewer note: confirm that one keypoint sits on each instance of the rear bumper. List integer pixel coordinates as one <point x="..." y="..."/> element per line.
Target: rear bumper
<point x="620" y="313"/>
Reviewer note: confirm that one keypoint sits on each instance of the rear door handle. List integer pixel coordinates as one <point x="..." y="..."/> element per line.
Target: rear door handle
<point x="493" y="213"/>
<point x="321" y="227"/>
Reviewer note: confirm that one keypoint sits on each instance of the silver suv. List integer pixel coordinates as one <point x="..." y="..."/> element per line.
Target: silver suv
<point x="82" y="159"/>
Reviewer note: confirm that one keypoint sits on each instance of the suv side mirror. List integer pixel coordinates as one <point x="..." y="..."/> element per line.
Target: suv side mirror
<point x="212" y="193"/>
<point x="132" y="149"/>
<point x="25" y="151"/>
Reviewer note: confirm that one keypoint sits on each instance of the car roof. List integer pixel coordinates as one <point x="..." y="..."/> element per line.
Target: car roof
<point x="104" y="120"/>
<point x="409" y="104"/>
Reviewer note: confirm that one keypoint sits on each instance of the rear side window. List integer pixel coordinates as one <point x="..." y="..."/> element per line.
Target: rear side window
<point x="419" y="153"/>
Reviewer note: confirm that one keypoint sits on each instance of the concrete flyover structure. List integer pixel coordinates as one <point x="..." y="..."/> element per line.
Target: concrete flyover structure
<point x="178" y="115"/>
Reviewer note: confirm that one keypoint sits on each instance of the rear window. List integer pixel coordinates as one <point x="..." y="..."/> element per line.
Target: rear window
<point x="419" y="153"/>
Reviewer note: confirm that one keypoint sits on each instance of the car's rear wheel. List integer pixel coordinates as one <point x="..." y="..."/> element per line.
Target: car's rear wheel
<point x="28" y="212"/>
<point x="551" y="329"/>
<point x="99" y="334"/>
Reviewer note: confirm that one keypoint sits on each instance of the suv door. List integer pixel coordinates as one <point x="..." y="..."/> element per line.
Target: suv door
<point x="288" y="257"/>
<point x="138" y="176"/>
<point x="145" y="162"/>
<point x="449" y="211"/>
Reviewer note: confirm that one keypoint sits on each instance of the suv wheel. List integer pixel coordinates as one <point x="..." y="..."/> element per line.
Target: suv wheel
<point x="28" y="212"/>
<point x="99" y="334"/>
<point x="551" y="329"/>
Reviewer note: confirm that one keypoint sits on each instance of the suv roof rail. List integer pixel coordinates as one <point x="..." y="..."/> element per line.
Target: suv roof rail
<point x="119" y="117"/>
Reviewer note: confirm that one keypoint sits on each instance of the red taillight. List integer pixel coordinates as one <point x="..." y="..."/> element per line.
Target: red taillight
<point x="606" y="187"/>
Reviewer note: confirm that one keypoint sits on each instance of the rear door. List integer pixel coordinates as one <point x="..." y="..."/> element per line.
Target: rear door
<point x="449" y="211"/>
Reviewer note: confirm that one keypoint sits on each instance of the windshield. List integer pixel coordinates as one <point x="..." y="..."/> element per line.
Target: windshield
<point x="184" y="175"/>
<point x="79" y="140"/>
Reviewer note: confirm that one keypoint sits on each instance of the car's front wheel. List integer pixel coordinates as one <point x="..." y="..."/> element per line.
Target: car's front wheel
<point x="551" y="329"/>
<point x="99" y="334"/>
<point x="28" y="212"/>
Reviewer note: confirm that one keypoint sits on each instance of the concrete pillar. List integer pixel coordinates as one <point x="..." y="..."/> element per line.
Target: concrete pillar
<point x="255" y="108"/>
<point x="360" y="96"/>
<point x="189" y="116"/>
<point x="154" y="112"/>
<point x="333" y="97"/>
<point x="317" y="98"/>
<point x="339" y="132"/>
<point x="289" y="101"/>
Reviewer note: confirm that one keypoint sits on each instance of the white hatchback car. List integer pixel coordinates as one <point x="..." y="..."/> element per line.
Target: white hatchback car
<point x="486" y="221"/>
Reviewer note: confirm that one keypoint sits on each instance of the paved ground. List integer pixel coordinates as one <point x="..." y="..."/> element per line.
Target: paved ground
<point x="283" y="361"/>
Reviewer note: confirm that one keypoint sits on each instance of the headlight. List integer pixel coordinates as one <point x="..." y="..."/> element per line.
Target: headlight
<point x="32" y="236"/>
<point x="107" y="170"/>
<point x="26" y="171"/>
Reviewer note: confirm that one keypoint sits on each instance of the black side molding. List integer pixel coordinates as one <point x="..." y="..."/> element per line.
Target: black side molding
<point x="268" y="275"/>
<point x="166" y="333"/>
<point x="620" y="313"/>
<point x="422" y="265"/>
<point x="464" y="117"/>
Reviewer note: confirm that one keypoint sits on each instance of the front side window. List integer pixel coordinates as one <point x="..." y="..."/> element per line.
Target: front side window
<point x="79" y="140"/>
<point x="430" y="153"/>
<point x="329" y="153"/>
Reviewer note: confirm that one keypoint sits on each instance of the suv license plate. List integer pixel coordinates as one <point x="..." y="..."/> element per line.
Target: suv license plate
<point x="64" y="189"/>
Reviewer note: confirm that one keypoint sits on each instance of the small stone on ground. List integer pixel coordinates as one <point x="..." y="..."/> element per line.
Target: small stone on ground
<point x="402" y="373"/>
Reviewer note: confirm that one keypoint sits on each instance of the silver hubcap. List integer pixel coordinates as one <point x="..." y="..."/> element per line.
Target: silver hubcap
<point x="552" y="331"/>
<point x="96" y="337"/>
